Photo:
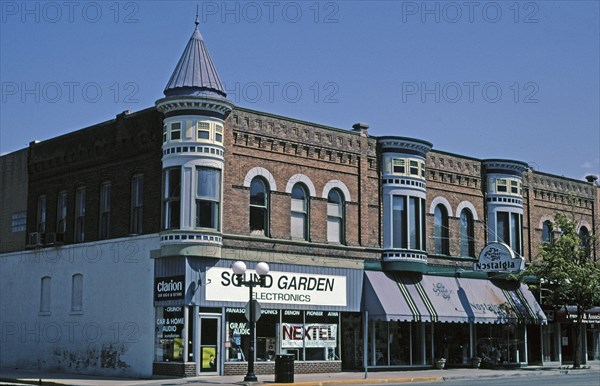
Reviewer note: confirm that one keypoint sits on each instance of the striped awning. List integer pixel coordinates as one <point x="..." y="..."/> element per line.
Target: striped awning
<point x="429" y="298"/>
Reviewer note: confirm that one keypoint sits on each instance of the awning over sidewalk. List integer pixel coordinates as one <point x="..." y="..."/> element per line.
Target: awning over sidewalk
<point x="428" y="298"/>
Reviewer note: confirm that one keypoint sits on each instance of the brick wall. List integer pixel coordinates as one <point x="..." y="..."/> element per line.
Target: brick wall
<point x="174" y="369"/>
<point x="111" y="151"/>
<point x="116" y="150"/>
<point x="287" y="147"/>
<point x="550" y="194"/>
<point x="457" y="178"/>
<point x="300" y="367"/>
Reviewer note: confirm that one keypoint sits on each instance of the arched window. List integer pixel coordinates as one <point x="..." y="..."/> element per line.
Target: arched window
<point x="259" y="207"/>
<point x="467" y="234"/>
<point x="547" y="235"/>
<point x="299" y="215"/>
<point x="584" y="240"/>
<point x="45" y="295"/>
<point x="335" y="216"/>
<point x="440" y="230"/>
<point x="77" y="293"/>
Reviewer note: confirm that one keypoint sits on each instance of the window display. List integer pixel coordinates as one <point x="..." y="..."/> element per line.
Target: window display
<point x="308" y="335"/>
<point x="169" y="334"/>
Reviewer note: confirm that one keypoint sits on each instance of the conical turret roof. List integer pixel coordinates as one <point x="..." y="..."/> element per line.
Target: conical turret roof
<point x="195" y="74"/>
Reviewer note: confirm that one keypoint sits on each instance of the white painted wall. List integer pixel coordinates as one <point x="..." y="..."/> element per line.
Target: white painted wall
<point x="112" y="336"/>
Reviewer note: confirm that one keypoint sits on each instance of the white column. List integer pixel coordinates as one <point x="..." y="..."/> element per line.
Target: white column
<point x="186" y="334"/>
<point x="526" y="353"/>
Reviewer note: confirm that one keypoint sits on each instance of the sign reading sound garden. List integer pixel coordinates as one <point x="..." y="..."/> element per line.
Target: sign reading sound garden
<point x="280" y="287"/>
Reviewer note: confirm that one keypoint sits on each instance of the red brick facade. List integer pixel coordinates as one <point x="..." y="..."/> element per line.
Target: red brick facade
<point x="116" y="150"/>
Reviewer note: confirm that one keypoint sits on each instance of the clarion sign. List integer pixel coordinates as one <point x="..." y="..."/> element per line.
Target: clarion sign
<point x="498" y="257"/>
<point x="169" y="288"/>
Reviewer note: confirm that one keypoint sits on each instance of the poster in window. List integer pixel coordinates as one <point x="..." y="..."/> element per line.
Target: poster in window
<point x="209" y="358"/>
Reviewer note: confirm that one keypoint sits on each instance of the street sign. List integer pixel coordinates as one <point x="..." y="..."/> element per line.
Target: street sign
<point x="256" y="310"/>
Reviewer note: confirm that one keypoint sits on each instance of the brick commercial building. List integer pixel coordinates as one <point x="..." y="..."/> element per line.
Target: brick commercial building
<point x="123" y="235"/>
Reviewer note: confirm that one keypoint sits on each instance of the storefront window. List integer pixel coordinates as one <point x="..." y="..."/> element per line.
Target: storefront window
<point x="593" y="344"/>
<point x="501" y="344"/>
<point x="308" y="335"/>
<point x="408" y="345"/>
<point x="452" y="342"/>
<point x="292" y="341"/>
<point x="380" y="349"/>
<point x="168" y="344"/>
<point x="238" y="335"/>
<point x="321" y="335"/>
<point x="550" y="343"/>
<point x="400" y="343"/>
<point x="266" y="341"/>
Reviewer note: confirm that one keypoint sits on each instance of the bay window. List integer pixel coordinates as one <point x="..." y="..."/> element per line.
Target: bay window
<point x="408" y="222"/>
<point x="208" y="197"/>
<point x="172" y="198"/>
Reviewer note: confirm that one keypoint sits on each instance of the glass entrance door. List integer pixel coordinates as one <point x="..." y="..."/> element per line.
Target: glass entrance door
<point x="209" y="344"/>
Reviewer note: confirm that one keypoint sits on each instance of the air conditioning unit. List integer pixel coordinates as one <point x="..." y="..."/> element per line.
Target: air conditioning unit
<point x="36" y="239"/>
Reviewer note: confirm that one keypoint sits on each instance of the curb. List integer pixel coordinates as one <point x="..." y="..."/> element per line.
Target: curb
<point x="363" y="381"/>
<point x="28" y="381"/>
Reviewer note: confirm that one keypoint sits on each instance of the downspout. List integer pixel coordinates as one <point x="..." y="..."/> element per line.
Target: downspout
<point x="529" y="225"/>
<point x="365" y="342"/>
<point x="594" y="223"/>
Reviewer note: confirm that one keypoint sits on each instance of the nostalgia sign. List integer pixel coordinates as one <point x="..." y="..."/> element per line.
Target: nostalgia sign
<point x="498" y="257"/>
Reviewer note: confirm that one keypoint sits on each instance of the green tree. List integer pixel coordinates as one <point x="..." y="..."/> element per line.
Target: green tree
<point x="568" y="275"/>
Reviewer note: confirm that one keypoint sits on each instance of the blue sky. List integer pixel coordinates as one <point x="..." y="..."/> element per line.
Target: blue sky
<point x="503" y="79"/>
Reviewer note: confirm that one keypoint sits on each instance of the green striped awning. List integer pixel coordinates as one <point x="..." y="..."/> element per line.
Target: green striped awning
<point x="429" y="298"/>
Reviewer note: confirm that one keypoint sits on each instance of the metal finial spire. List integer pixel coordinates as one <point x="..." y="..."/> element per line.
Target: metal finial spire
<point x="197" y="22"/>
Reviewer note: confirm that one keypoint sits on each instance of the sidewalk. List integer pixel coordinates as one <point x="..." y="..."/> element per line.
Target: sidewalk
<point x="8" y="377"/>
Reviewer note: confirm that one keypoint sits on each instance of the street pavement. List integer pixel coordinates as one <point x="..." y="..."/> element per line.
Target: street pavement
<point x="11" y="377"/>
